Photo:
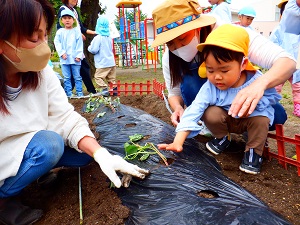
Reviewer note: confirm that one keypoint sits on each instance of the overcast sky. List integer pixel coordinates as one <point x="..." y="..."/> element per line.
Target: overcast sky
<point x="147" y="6"/>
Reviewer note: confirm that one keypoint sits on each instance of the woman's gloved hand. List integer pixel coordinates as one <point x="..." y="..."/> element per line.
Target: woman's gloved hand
<point x="110" y="164"/>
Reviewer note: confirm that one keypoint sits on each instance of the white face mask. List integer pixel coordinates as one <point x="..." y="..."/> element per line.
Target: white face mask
<point x="187" y="52"/>
<point x="33" y="59"/>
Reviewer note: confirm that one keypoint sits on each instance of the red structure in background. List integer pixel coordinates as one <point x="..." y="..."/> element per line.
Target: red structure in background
<point x="281" y="154"/>
<point x="158" y="88"/>
<point x="152" y="57"/>
<point x="130" y="33"/>
<point x="141" y="89"/>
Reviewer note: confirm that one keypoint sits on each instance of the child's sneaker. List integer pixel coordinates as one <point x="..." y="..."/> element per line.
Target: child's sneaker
<point x="251" y="162"/>
<point x="104" y="92"/>
<point x="296" y="109"/>
<point x="80" y="95"/>
<point x="204" y="130"/>
<point x="115" y="91"/>
<point x="218" y="145"/>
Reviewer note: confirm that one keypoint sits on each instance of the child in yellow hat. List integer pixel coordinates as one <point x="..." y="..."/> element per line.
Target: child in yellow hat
<point x="228" y="71"/>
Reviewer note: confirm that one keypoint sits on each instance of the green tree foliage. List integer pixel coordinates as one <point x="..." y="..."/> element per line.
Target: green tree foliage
<point x="88" y="12"/>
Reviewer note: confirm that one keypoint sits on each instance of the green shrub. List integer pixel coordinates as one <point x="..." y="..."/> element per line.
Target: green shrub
<point x="54" y="57"/>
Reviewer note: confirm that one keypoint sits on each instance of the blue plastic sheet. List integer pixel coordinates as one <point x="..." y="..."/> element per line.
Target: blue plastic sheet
<point x="170" y="195"/>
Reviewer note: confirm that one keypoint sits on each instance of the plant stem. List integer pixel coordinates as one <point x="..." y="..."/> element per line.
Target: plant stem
<point x="80" y="198"/>
<point x="161" y="155"/>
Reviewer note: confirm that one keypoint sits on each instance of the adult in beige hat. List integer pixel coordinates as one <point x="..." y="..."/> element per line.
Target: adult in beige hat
<point x="181" y="25"/>
<point x="228" y="70"/>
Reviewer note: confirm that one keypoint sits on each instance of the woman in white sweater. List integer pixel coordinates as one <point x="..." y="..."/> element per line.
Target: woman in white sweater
<point x="37" y="122"/>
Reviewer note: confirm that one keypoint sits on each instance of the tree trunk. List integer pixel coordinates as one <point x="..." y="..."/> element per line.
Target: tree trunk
<point x="89" y="14"/>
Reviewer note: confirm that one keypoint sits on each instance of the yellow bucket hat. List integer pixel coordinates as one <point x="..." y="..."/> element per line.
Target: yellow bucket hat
<point x="173" y="18"/>
<point x="280" y="4"/>
<point x="231" y="37"/>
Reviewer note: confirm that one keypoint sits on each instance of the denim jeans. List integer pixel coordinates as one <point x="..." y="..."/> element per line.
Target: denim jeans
<point x="45" y="151"/>
<point x="68" y="71"/>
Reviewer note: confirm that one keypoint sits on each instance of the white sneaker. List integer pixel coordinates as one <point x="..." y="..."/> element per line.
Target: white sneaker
<point x="204" y="130"/>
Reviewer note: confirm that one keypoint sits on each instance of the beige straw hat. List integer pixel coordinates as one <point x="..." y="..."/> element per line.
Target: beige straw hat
<point x="175" y="17"/>
<point x="281" y="3"/>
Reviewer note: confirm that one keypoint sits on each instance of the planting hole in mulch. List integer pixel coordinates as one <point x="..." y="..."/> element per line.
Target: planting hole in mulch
<point x="130" y="125"/>
<point x="207" y="194"/>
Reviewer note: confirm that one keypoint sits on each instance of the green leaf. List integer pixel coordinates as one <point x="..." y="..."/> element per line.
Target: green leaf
<point x="130" y="149"/>
<point x="144" y="156"/>
<point x="101" y="114"/>
<point x="136" y="137"/>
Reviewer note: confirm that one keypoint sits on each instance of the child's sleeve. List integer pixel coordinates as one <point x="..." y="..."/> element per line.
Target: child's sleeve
<point x="193" y="113"/>
<point x="94" y="47"/>
<point x="58" y="44"/>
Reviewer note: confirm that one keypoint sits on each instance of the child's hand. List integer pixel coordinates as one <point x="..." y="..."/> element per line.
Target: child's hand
<point x="77" y="59"/>
<point x="170" y="147"/>
<point x="64" y="56"/>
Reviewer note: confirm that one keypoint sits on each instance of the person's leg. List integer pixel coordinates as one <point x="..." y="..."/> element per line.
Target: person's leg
<point x="280" y="115"/>
<point x="279" y="88"/>
<point x="86" y="76"/>
<point x="73" y="158"/>
<point x="77" y="79"/>
<point x="100" y="77"/>
<point x="257" y="128"/>
<point x="296" y="98"/>
<point x="67" y="73"/>
<point x="41" y="155"/>
<point x="111" y="79"/>
<point x="215" y="118"/>
<point x="111" y="76"/>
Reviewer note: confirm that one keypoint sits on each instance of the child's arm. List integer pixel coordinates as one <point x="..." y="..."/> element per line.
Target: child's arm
<point x="94" y="46"/>
<point x="58" y="45"/>
<point x="177" y="144"/>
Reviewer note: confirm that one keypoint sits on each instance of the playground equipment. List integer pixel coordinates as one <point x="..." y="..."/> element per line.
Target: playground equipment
<point x="130" y="43"/>
<point x="153" y="56"/>
<point x="133" y="47"/>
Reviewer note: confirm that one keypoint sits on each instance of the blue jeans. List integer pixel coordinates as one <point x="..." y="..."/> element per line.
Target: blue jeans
<point x="192" y="83"/>
<point x="69" y="70"/>
<point x="45" y="151"/>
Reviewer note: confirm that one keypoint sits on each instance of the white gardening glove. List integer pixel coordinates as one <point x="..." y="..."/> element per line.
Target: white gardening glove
<point x="110" y="164"/>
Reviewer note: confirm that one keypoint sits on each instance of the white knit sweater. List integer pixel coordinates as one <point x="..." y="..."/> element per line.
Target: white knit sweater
<point x="46" y="108"/>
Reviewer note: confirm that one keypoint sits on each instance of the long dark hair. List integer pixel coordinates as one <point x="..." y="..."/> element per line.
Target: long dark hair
<point x="21" y="18"/>
<point x="178" y="66"/>
<point x="282" y="8"/>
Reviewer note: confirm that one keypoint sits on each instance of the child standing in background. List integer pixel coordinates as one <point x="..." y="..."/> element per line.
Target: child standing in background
<point x="290" y="42"/>
<point x="102" y="48"/>
<point x="69" y="46"/>
<point x="228" y="71"/>
<point x="246" y="16"/>
<point x="221" y="9"/>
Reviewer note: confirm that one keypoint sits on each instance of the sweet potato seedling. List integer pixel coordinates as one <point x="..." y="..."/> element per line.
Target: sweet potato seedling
<point x="135" y="151"/>
<point x="94" y="102"/>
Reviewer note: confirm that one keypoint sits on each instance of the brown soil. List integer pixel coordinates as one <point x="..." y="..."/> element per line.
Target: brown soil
<point x="277" y="187"/>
